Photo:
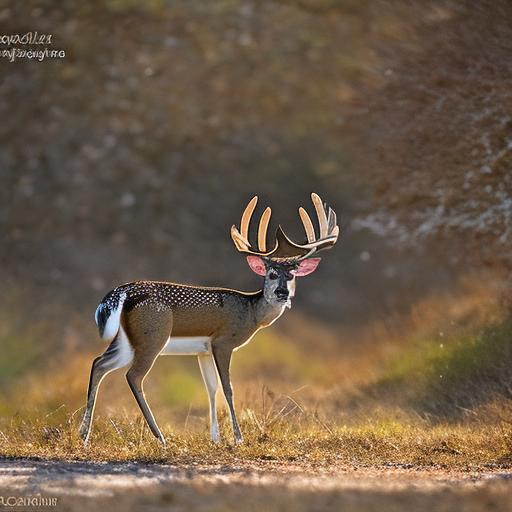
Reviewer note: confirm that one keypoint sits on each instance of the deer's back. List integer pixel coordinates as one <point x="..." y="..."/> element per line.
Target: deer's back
<point x="195" y="310"/>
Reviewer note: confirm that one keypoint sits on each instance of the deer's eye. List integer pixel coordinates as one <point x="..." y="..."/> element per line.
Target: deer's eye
<point x="273" y="275"/>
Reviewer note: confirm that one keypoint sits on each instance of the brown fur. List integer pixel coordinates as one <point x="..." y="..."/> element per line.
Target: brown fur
<point x="147" y="330"/>
<point x="155" y="311"/>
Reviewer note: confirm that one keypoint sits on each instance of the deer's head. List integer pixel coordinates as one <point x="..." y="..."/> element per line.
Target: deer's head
<point x="287" y="259"/>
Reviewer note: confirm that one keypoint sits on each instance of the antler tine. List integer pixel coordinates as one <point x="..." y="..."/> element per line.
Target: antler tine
<point x="320" y="212"/>
<point x="246" y="217"/>
<point x="262" y="229"/>
<point x="308" y="225"/>
<point x="240" y="243"/>
<point x="331" y="220"/>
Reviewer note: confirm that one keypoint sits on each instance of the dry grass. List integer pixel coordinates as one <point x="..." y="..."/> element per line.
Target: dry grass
<point x="305" y="442"/>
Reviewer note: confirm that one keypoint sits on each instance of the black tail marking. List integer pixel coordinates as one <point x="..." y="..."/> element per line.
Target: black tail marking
<point x="102" y="314"/>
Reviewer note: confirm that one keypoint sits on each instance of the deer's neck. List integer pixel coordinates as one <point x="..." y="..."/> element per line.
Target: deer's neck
<point x="266" y="312"/>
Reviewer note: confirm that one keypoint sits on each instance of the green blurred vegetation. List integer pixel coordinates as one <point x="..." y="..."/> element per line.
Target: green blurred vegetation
<point x="20" y="351"/>
<point x="453" y="375"/>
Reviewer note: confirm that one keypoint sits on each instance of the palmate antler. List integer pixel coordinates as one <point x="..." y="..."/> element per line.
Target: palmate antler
<point x="284" y="248"/>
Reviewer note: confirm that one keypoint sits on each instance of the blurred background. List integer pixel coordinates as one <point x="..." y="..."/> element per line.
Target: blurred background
<point x="131" y="157"/>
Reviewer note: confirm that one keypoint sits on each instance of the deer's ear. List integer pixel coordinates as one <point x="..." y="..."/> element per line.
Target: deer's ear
<point x="257" y="265"/>
<point x="307" y="267"/>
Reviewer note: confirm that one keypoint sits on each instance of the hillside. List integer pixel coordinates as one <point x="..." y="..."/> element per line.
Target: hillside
<point x="435" y="136"/>
<point x="133" y="156"/>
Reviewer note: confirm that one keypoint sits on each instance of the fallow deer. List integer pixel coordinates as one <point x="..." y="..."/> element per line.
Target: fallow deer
<point x="145" y="319"/>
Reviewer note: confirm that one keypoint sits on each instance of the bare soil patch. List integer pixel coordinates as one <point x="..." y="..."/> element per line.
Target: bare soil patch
<point x="262" y="486"/>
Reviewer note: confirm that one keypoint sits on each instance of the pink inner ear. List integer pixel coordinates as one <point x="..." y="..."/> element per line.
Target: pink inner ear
<point x="257" y="265"/>
<point x="307" y="266"/>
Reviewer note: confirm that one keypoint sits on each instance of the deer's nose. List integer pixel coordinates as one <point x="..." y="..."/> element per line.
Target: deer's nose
<point x="281" y="293"/>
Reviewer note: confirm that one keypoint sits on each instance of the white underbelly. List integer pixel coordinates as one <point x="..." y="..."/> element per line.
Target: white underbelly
<point x="187" y="346"/>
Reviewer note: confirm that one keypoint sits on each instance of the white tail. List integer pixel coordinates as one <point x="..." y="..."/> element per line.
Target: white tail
<point x="108" y="317"/>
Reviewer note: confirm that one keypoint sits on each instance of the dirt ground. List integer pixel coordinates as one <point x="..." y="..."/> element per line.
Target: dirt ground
<point x="275" y="487"/>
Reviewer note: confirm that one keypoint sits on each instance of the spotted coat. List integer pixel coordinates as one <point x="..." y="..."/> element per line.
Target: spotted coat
<point x="196" y="310"/>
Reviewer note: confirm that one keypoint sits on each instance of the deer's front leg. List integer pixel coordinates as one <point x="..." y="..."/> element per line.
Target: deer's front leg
<point x="209" y="373"/>
<point x="222" y="355"/>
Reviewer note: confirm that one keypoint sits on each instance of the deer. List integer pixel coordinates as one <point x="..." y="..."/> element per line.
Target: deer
<point x="146" y="319"/>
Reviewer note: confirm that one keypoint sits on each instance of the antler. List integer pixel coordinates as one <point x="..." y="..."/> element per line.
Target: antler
<point x="329" y="230"/>
<point x="241" y="238"/>
<point x="284" y="248"/>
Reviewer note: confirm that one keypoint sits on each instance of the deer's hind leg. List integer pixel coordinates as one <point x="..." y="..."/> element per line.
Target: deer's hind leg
<point x="118" y="354"/>
<point x="148" y="331"/>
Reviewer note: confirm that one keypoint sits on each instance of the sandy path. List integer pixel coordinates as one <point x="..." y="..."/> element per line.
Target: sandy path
<point x="136" y="486"/>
